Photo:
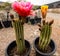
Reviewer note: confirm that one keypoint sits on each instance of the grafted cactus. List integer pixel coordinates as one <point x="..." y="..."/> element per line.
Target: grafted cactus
<point x="45" y="34"/>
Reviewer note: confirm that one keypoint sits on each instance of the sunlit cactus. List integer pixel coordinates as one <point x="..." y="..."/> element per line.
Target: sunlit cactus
<point x="45" y="30"/>
<point x="23" y="11"/>
<point x="19" y="31"/>
<point x="45" y="34"/>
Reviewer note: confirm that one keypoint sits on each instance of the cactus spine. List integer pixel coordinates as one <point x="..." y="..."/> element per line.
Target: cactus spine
<point x="45" y="33"/>
<point x="19" y="31"/>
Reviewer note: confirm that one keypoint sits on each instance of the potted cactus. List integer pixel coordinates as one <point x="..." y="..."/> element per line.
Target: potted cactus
<point x="44" y="45"/>
<point x="7" y="22"/>
<point x="20" y="47"/>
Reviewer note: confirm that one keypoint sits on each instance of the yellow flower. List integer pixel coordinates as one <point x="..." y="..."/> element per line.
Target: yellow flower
<point x="44" y="9"/>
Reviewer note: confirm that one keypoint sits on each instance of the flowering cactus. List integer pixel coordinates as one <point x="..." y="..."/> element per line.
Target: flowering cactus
<point x="45" y="31"/>
<point x="23" y="9"/>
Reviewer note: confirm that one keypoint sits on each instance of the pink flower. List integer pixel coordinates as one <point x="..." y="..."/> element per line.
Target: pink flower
<point x="22" y="8"/>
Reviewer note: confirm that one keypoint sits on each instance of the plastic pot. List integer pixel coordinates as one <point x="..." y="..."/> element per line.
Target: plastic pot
<point x="7" y="23"/>
<point x="40" y="53"/>
<point x="13" y="44"/>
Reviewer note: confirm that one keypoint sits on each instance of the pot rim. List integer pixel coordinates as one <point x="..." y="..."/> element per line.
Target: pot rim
<point x="41" y="51"/>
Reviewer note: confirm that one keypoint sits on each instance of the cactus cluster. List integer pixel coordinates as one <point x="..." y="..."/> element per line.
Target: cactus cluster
<point x="19" y="32"/>
<point x="45" y="33"/>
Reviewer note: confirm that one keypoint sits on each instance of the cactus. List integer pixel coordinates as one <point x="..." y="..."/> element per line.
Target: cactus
<point x="19" y="32"/>
<point x="45" y="30"/>
<point x="23" y="11"/>
<point x="45" y="34"/>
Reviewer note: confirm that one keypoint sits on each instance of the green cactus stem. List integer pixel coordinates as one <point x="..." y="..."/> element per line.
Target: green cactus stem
<point x="19" y="31"/>
<point x="45" y="34"/>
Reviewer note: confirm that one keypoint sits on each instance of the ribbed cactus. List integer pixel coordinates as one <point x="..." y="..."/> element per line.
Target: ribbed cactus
<point x="45" y="33"/>
<point x="19" y="31"/>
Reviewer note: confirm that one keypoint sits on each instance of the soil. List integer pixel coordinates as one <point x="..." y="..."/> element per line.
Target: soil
<point x="14" y="52"/>
<point x="48" y="49"/>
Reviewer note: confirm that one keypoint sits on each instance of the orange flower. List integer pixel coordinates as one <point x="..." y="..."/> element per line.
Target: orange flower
<point x="44" y="9"/>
